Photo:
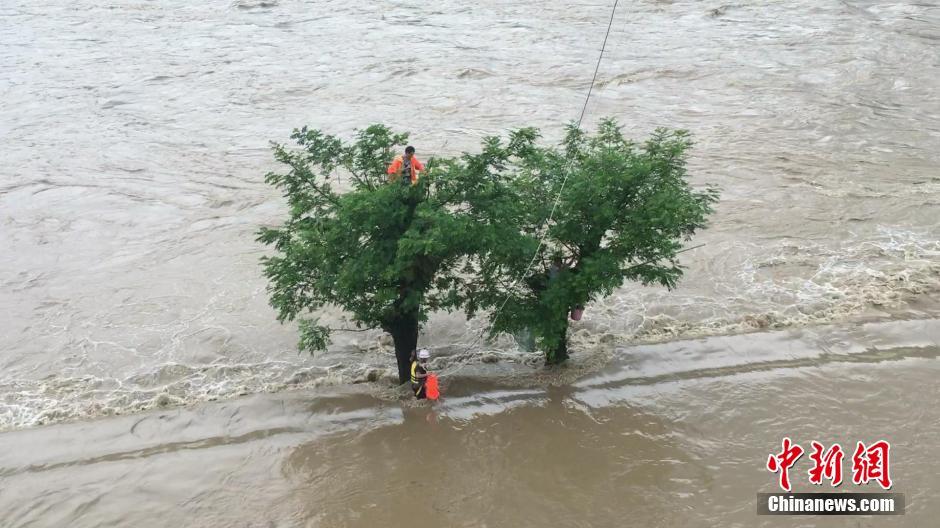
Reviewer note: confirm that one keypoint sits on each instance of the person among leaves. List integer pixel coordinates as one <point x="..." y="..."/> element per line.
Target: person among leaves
<point x="406" y="165"/>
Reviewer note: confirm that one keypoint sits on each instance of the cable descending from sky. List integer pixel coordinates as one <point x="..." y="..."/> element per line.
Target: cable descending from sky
<point x="551" y="216"/>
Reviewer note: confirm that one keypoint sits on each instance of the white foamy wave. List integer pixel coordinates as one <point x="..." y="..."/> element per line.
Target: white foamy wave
<point x="791" y="284"/>
<point x="27" y="403"/>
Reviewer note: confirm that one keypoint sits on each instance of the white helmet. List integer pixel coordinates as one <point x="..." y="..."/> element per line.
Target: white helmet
<point x="424" y="353"/>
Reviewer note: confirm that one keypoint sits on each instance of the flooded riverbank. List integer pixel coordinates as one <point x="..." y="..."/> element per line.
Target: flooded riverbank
<point x="636" y="443"/>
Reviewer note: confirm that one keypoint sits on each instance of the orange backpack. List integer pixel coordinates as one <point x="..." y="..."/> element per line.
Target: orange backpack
<point x="430" y="387"/>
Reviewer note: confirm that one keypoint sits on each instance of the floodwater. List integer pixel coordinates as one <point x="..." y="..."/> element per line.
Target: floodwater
<point x="642" y="442"/>
<point x="144" y="380"/>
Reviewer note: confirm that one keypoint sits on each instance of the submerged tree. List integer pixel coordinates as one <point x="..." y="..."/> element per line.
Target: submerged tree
<point x="387" y="254"/>
<point x="578" y="222"/>
<point x="524" y="232"/>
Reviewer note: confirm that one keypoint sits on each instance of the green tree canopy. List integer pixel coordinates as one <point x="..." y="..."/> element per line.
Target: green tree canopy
<point x="386" y="253"/>
<point x="605" y="209"/>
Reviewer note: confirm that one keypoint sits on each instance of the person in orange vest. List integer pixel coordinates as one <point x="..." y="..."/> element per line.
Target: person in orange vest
<point x="405" y="165"/>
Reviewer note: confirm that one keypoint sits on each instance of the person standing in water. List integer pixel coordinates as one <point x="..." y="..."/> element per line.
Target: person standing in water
<point x="419" y="373"/>
<point x="405" y="168"/>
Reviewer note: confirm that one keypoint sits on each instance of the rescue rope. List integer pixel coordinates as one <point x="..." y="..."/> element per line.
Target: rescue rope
<point x="551" y="216"/>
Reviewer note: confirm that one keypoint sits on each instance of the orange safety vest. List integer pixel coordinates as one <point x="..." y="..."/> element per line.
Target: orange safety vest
<point x="394" y="170"/>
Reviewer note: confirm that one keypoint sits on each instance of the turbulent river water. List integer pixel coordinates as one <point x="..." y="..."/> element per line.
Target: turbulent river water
<point x="144" y="380"/>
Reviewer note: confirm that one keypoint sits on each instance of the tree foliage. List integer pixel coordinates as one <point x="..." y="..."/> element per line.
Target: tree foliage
<point x="606" y="210"/>
<point x="387" y="254"/>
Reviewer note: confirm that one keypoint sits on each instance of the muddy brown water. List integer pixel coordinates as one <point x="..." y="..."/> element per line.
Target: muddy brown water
<point x="144" y="380"/>
<point x="636" y="443"/>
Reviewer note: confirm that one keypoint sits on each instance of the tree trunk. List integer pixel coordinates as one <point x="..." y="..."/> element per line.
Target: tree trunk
<point x="560" y="353"/>
<point x="405" y="335"/>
